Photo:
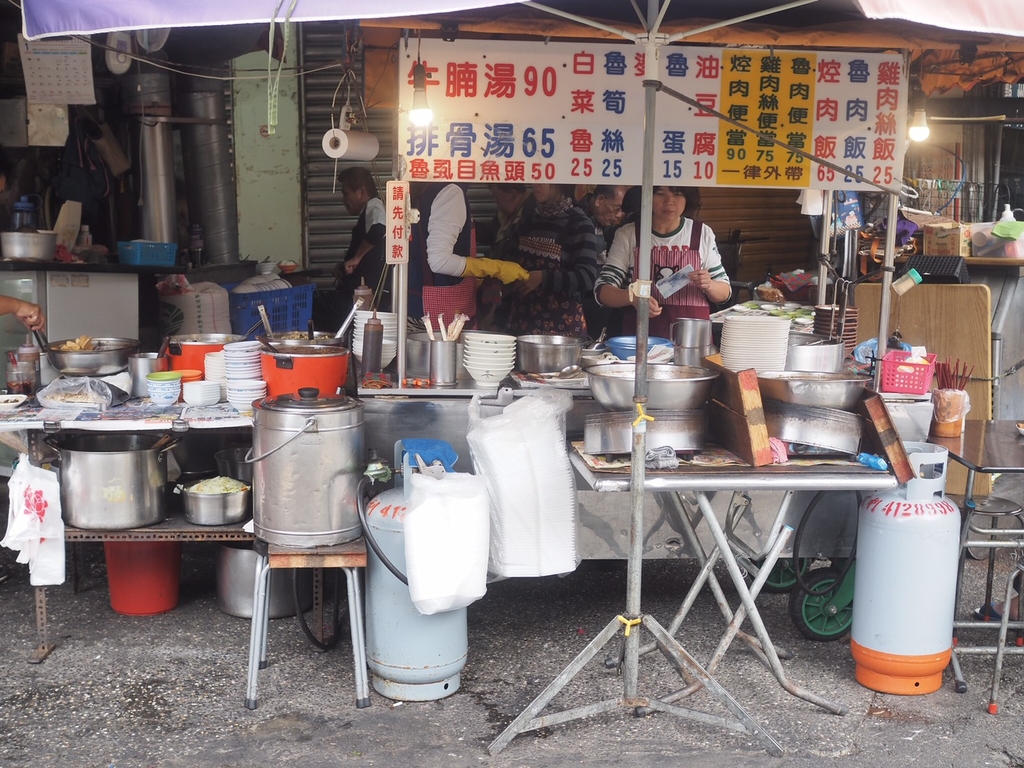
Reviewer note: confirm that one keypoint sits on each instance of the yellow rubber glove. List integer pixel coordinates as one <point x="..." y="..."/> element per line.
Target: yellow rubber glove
<point x="506" y="271"/>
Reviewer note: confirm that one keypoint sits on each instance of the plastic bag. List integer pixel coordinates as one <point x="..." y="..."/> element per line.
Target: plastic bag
<point x="446" y="541"/>
<point x="522" y="456"/>
<point x="81" y="392"/>
<point x="35" y="528"/>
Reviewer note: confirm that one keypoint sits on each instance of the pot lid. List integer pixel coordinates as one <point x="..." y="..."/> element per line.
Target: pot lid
<point x="308" y="399"/>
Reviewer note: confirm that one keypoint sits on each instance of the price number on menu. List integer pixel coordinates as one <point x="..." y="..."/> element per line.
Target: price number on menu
<point x="698" y="170"/>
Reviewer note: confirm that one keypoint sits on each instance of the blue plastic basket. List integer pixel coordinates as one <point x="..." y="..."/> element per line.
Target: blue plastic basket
<point x="141" y="253"/>
<point x="288" y="309"/>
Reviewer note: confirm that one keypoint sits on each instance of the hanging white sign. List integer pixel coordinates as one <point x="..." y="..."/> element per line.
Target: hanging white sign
<point x="574" y="113"/>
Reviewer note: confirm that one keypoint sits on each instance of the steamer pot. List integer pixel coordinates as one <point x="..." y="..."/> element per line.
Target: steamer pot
<point x="112" y="481"/>
<point x="189" y="352"/>
<point x="307" y="463"/>
<point x="297" y="365"/>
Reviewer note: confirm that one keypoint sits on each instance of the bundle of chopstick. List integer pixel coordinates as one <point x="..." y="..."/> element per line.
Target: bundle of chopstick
<point x="448" y="332"/>
<point x="953" y="375"/>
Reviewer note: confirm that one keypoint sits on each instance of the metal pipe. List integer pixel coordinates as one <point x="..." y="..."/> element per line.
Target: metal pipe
<point x="209" y="181"/>
<point x="159" y="222"/>
<point x="887" y="270"/>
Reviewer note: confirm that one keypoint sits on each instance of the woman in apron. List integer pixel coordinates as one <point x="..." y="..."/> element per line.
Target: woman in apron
<point x="678" y="244"/>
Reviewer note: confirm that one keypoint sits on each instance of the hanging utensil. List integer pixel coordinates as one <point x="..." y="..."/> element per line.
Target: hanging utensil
<point x="348" y="320"/>
<point x="266" y="320"/>
<point x="265" y="343"/>
<point x="309" y="329"/>
<point x="842" y="291"/>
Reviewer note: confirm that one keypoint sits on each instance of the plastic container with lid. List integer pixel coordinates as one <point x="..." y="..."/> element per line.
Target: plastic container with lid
<point x="84" y="237"/>
<point x="28" y="352"/>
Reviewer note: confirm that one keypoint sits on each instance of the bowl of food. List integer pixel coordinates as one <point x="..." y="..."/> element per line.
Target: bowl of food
<point x="91" y="356"/>
<point x="669" y="387"/>
<point x="287" y="266"/>
<point x="10" y="402"/>
<point x="217" y="501"/>
<point x="1020" y="427"/>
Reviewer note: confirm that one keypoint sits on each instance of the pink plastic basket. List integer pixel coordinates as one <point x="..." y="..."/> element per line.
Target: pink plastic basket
<point x="909" y="378"/>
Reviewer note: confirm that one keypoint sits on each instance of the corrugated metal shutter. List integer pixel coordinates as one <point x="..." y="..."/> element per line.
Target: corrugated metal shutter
<point x="328" y="224"/>
<point x="760" y="213"/>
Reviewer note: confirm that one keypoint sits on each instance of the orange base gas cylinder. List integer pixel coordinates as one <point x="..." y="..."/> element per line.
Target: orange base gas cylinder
<point x="902" y="675"/>
<point x="908" y="543"/>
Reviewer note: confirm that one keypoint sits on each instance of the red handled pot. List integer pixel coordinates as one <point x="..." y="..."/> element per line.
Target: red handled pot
<point x="189" y="352"/>
<point x="294" y="365"/>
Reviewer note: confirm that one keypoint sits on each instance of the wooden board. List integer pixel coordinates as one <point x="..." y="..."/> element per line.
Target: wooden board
<point x="882" y="438"/>
<point x="737" y="415"/>
<point x="952" y="321"/>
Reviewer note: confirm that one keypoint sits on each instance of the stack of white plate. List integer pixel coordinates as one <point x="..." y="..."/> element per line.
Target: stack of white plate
<point x="488" y="357"/>
<point x="214" y="370"/>
<point x="242" y="393"/>
<point x="242" y="361"/>
<point x="389" y="348"/>
<point x="200" y="392"/>
<point x="756" y="342"/>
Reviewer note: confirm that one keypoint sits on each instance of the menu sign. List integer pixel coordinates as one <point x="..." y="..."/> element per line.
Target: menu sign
<point x="574" y="113"/>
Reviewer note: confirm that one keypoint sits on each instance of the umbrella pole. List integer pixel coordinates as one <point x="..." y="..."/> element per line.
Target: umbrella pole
<point x="633" y="618"/>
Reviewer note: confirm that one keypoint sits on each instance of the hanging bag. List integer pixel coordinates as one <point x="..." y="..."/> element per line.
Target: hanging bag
<point x="34" y="525"/>
<point x="846" y="213"/>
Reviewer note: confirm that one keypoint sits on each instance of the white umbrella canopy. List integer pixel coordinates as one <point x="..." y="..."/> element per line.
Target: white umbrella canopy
<point x="51" y="18"/>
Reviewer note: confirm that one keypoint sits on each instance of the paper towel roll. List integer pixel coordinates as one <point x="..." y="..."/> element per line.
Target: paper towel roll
<point x="350" y="145"/>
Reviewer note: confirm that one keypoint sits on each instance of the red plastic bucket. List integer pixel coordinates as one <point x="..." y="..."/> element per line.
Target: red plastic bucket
<point x="143" y="576"/>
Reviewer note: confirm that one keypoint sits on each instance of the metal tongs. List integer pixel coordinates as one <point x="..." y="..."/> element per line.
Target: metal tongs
<point x="842" y="296"/>
<point x="264" y="319"/>
<point x="348" y="320"/>
<point x="41" y="340"/>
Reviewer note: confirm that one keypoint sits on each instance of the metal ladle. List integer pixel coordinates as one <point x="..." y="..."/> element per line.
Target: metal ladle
<point x="569" y="372"/>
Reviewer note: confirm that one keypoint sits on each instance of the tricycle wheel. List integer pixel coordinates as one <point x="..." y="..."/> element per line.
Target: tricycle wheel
<point x="818" y="617"/>
<point x="783" y="577"/>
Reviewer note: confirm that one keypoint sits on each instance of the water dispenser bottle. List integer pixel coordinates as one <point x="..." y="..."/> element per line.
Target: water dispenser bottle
<point x="26" y="215"/>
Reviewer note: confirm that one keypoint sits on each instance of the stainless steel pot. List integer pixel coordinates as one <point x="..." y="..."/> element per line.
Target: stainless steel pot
<point x="547" y="354"/>
<point x="112" y="481"/>
<point x="613" y="432"/>
<point x="236" y="572"/>
<point x="108" y="355"/>
<point x="307" y="463"/>
<point x="813" y="352"/>
<point x="216" y="508"/>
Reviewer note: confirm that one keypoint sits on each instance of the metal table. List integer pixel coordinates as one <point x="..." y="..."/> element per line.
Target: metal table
<point x="700" y="481"/>
<point x="987" y="447"/>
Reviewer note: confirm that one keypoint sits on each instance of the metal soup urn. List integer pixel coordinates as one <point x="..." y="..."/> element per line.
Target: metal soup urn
<point x="307" y="457"/>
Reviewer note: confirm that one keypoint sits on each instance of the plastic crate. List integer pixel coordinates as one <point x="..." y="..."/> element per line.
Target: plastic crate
<point x="141" y="253"/>
<point x="901" y="376"/>
<point x="288" y="309"/>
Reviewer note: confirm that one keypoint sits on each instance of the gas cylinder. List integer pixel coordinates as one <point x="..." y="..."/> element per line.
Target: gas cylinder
<point x="412" y="657"/>
<point x="908" y="543"/>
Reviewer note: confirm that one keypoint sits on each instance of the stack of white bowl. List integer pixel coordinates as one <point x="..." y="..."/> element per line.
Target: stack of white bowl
<point x="163" y="387"/>
<point x="389" y="347"/>
<point x="214" y="370"/>
<point x="244" y="374"/>
<point x="200" y="392"/>
<point x="755" y="341"/>
<point x="488" y="357"/>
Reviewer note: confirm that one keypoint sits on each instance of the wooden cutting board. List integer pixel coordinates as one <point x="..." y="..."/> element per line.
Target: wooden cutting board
<point x="737" y="415"/>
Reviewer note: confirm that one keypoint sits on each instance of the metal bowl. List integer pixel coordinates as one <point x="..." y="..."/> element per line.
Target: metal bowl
<point x="216" y="508"/>
<point x="547" y="354"/>
<point x="669" y="387"/>
<point x="824" y="390"/>
<point x="109" y="355"/>
<point x="33" y="246"/>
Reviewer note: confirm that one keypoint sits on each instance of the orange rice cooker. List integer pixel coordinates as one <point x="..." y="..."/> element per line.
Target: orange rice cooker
<point x="189" y="352"/>
<point x="295" y="365"/>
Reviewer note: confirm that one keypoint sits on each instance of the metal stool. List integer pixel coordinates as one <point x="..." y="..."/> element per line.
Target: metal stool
<point x="350" y="557"/>
<point x="996" y="537"/>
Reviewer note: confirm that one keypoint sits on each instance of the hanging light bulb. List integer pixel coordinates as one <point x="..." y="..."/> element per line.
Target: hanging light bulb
<point x="919" y="129"/>
<point x="421" y="114"/>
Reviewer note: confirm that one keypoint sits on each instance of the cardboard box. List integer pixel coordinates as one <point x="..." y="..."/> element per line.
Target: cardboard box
<point x="950" y="239"/>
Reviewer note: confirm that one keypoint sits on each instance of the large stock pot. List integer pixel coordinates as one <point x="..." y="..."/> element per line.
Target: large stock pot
<point x="307" y="462"/>
<point x="112" y="481"/>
